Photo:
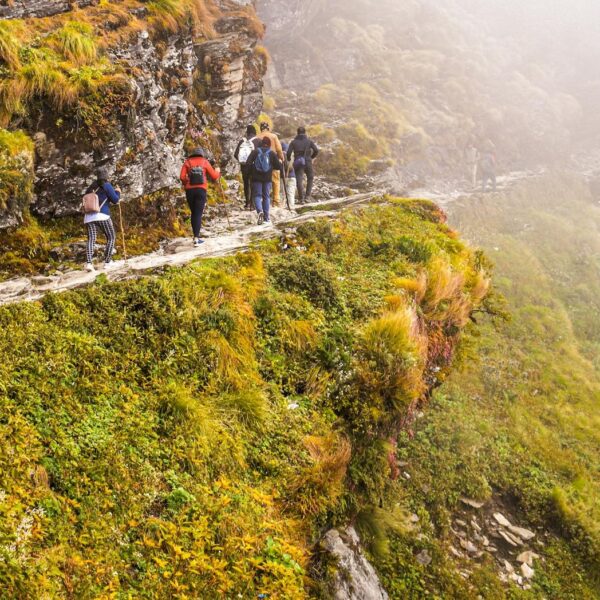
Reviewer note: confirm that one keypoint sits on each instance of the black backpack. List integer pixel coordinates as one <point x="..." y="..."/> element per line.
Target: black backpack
<point x="197" y="176"/>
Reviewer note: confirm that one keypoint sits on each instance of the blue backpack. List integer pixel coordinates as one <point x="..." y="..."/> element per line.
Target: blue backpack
<point x="263" y="160"/>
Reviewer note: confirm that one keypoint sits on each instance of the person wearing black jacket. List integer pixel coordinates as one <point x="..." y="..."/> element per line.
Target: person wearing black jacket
<point x="304" y="151"/>
<point x="242" y="153"/>
<point x="264" y="161"/>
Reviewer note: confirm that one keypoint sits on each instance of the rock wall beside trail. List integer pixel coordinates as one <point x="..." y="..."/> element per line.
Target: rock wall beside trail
<point x="19" y="9"/>
<point x="178" y="90"/>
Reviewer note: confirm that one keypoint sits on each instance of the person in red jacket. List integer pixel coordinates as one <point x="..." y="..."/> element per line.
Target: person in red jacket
<point x="195" y="181"/>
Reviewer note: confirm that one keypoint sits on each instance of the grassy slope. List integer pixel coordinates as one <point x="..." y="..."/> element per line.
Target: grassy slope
<point x="146" y="444"/>
<point x="521" y="423"/>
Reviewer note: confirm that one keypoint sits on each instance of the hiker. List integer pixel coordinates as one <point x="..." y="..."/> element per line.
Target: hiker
<point x="266" y="133"/>
<point x="102" y="194"/>
<point x="264" y="162"/>
<point x="304" y="151"/>
<point x="290" y="181"/>
<point x="487" y="168"/>
<point x="194" y="179"/>
<point x="472" y="158"/>
<point x="244" y="149"/>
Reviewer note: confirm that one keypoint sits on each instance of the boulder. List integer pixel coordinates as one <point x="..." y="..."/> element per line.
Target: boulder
<point x="356" y="578"/>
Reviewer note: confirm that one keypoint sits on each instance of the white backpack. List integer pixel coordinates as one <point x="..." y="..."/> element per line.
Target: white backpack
<point x="246" y="149"/>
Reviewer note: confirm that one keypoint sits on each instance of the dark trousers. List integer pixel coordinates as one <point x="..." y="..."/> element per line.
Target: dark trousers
<point x="488" y="177"/>
<point x="247" y="178"/>
<point x="197" y="202"/>
<point x="310" y="176"/>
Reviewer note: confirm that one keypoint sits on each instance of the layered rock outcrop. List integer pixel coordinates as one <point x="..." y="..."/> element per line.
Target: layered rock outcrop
<point x="177" y="90"/>
<point x="19" y="9"/>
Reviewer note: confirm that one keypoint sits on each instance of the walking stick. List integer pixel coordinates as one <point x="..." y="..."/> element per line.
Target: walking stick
<point x="225" y="203"/>
<point x="287" y="197"/>
<point x="122" y="231"/>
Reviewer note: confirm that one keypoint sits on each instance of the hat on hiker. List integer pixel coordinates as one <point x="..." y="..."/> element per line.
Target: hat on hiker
<point x="102" y="174"/>
<point x="264" y="126"/>
<point x="250" y="131"/>
<point x="266" y="143"/>
<point x="197" y="152"/>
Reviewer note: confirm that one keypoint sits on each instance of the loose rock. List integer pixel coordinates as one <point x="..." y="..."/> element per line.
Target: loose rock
<point x="527" y="571"/>
<point x="502" y="520"/>
<point x="424" y="558"/>
<point x="527" y="557"/>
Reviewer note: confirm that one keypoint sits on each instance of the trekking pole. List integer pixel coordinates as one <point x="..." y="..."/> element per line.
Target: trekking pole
<point x="287" y="197"/>
<point x="122" y="231"/>
<point x="225" y="203"/>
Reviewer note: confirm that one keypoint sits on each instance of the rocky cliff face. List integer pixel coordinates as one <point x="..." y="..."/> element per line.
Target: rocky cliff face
<point x="179" y="90"/>
<point x="19" y="9"/>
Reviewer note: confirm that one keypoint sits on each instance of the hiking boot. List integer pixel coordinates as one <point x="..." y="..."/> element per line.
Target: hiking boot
<point x="89" y="267"/>
<point x="261" y="217"/>
<point x="198" y="242"/>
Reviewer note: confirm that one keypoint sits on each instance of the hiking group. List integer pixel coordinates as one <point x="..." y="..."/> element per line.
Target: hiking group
<point x="267" y="167"/>
<point x="271" y="170"/>
<point x="481" y="165"/>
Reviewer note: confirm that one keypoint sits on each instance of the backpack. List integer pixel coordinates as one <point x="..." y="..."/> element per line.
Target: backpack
<point x="197" y="176"/>
<point x="246" y="149"/>
<point x="263" y="161"/>
<point x="91" y="203"/>
<point x="301" y="161"/>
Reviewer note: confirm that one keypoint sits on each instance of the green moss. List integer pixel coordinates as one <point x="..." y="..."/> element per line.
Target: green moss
<point x="166" y="458"/>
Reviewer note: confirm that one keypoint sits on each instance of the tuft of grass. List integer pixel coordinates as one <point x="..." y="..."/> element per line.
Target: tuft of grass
<point x="76" y="42"/>
<point x="16" y="169"/>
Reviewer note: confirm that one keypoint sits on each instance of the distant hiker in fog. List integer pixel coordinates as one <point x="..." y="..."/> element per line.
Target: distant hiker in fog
<point x="290" y="180"/>
<point x="96" y="205"/>
<point x="264" y="162"/>
<point x="244" y="149"/>
<point x="266" y="133"/>
<point x="304" y="151"/>
<point x="472" y="158"/>
<point x="487" y="166"/>
<point x="194" y="179"/>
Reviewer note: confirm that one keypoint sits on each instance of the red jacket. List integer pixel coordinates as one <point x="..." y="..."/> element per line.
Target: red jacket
<point x="197" y="161"/>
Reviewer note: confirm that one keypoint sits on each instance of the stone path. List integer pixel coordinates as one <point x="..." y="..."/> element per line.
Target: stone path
<point x="224" y="237"/>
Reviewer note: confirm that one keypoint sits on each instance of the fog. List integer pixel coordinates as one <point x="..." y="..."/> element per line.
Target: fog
<point x="522" y="72"/>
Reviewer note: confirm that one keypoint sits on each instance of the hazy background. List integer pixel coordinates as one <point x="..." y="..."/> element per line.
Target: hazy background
<point x="426" y="79"/>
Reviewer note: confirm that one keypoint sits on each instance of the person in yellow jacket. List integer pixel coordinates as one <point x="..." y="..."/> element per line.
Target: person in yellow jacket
<point x="266" y="133"/>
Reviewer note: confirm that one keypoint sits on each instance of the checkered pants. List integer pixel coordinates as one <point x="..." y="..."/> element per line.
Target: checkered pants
<point x="108" y="229"/>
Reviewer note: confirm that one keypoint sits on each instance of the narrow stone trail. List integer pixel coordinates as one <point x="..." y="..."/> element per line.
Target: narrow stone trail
<point x="224" y="237"/>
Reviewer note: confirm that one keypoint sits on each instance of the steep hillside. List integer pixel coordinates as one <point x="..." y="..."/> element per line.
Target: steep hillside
<point x="517" y="427"/>
<point x="193" y="435"/>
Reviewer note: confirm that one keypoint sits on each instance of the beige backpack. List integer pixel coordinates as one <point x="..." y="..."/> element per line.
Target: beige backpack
<point x="91" y="203"/>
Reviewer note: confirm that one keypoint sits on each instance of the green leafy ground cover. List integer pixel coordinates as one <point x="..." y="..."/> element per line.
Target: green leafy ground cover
<point x="147" y="444"/>
<point x="519" y="423"/>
